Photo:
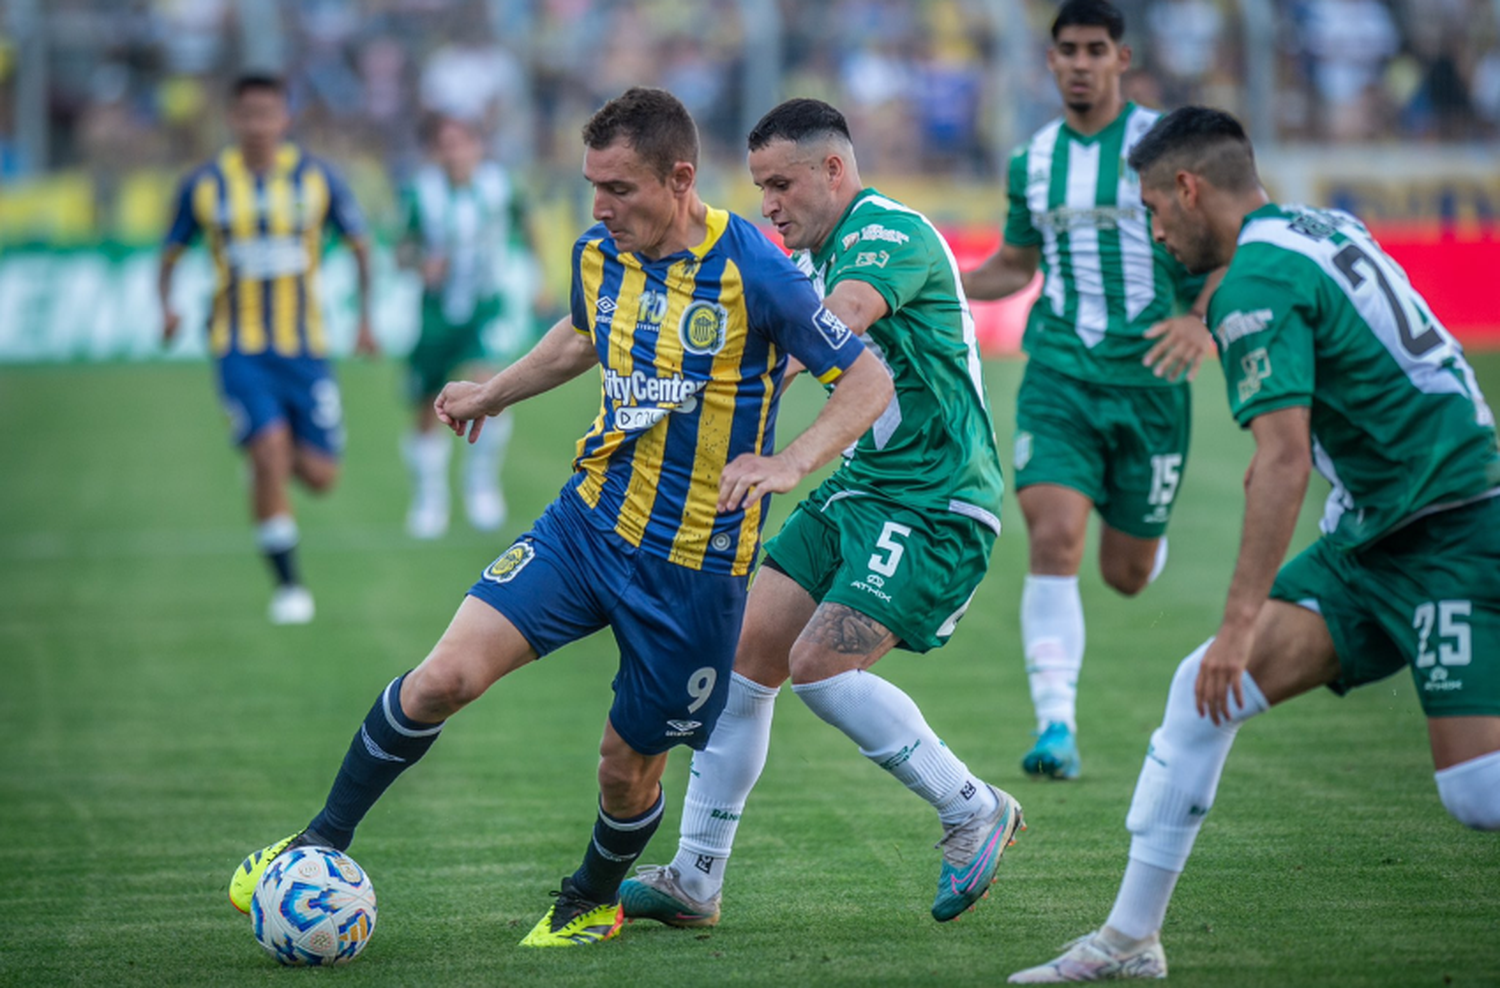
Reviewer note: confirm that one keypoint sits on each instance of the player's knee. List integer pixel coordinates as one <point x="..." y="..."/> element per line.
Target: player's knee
<point x="319" y="478"/>
<point x="1127" y="577"/>
<point x="440" y="687"/>
<point x="1471" y="791"/>
<point x="1055" y="549"/>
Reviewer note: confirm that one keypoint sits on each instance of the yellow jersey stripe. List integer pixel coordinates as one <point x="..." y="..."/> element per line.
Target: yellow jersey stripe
<point x="285" y="333"/>
<point x="650" y="448"/>
<point x="239" y="186"/>
<point x="715" y="423"/>
<point x="315" y="199"/>
<point x="205" y="206"/>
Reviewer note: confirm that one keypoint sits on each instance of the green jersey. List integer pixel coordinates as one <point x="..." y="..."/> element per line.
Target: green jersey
<point x="1313" y="313"/>
<point x="477" y="227"/>
<point x="1105" y="281"/>
<point x="934" y="446"/>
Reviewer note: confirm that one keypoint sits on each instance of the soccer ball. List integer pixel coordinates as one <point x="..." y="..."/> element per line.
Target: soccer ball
<point x="313" y="906"/>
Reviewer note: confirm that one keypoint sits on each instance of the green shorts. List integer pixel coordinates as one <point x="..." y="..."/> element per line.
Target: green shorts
<point x="1125" y="448"/>
<point x="1427" y="596"/>
<point x="443" y="347"/>
<point x="914" y="571"/>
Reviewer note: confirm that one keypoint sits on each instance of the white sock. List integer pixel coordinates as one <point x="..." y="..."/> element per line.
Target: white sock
<point x="719" y="784"/>
<point x="427" y="456"/>
<point x="1161" y="560"/>
<point x="1173" y="794"/>
<point x="1052" y="636"/>
<point x="1471" y="791"/>
<point x="892" y="733"/>
<point x="277" y="533"/>
<point x="487" y="454"/>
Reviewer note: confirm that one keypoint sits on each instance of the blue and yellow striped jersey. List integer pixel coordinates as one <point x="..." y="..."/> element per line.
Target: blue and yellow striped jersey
<point x="265" y="232"/>
<point x="692" y="349"/>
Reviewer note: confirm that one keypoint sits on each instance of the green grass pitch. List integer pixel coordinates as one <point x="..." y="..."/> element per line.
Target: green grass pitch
<point x="155" y="729"/>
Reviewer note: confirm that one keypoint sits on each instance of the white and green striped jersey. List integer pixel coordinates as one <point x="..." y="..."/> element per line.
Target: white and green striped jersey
<point x="477" y="227"/>
<point x="1313" y="313"/>
<point x="1105" y="282"/>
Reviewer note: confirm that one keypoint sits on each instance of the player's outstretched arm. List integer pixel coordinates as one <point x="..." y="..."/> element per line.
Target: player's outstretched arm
<point x="1005" y="272"/>
<point x="561" y="355"/>
<point x="1274" y="488"/>
<point x="364" y="339"/>
<point x="171" y="321"/>
<point x="863" y="392"/>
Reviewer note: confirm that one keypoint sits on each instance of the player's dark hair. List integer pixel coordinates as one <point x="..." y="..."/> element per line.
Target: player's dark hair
<point x="798" y="120"/>
<point x="257" y="81"/>
<point x="653" y="122"/>
<point x="1090" y="13"/>
<point x="1200" y="140"/>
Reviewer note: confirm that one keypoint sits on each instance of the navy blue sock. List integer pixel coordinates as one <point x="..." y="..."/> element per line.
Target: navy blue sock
<point x="283" y="566"/>
<point x="616" y="845"/>
<point x="388" y="742"/>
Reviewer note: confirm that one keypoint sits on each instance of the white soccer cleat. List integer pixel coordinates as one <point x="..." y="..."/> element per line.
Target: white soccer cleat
<point x="291" y="605"/>
<point x="427" y="519"/>
<point x="1090" y="958"/>
<point x="485" y="507"/>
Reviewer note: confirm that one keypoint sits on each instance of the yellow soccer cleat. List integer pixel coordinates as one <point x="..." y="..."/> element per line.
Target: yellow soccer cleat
<point x="247" y="875"/>
<point x="574" y="921"/>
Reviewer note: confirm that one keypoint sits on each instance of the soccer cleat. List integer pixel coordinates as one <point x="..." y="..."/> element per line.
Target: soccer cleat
<point x="247" y="875"/>
<point x="291" y="604"/>
<point x="574" y="920"/>
<point x="485" y="507"/>
<point x="1090" y="958"/>
<point x="971" y="854"/>
<point x="654" y="893"/>
<point x="1055" y="755"/>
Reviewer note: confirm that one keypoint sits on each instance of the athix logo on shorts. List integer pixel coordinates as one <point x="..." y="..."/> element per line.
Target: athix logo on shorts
<point x="704" y="328"/>
<point x="511" y="562"/>
<point x="643" y="400"/>
<point x="831" y="326"/>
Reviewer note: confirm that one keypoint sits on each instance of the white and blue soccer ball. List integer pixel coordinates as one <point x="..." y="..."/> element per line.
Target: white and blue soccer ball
<point x="313" y="906"/>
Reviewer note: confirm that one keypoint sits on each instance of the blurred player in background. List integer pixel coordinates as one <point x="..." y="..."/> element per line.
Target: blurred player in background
<point x="689" y="312"/>
<point x="1330" y="358"/>
<point x="264" y="206"/>
<point x="1104" y="412"/>
<point x="886" y="553"/>
<point x="465" y="226"/>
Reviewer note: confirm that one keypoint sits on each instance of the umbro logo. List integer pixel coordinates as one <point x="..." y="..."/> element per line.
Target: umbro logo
<point x="606" y="304"/>
<point x="682" y="728"/>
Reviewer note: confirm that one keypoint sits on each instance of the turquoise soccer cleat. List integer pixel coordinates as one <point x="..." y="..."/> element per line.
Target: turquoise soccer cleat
<point x="1055" y="755"/>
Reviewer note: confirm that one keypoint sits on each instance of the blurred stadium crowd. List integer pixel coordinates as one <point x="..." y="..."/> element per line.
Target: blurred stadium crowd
<point x="134" y="89"/>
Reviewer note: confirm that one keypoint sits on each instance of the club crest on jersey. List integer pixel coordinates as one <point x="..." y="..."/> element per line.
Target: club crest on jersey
<point x="511" y="562"/>
<point x="704" y="328"/>
<point x="831" y="327"/>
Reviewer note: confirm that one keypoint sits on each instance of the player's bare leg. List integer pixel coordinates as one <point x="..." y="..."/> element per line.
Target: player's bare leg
<point x="272" y="457"/>
<point x="687" y="892"/>
<point x="1293" y="653"/>
<point x="1052" y="627"/>
<point x="830" y="665"/>
<point x="1466" y="754"/>
<point x="1129" y="563"/>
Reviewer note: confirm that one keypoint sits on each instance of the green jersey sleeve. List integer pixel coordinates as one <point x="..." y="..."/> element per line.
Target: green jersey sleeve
<point x="891" y="254"/>
<point x="1018" y="228"/>
<point x="1264" y="331"/>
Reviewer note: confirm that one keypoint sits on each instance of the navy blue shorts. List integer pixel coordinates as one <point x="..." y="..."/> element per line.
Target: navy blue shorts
<point x="264" y="389"/>
<point x="676" y="628"/>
